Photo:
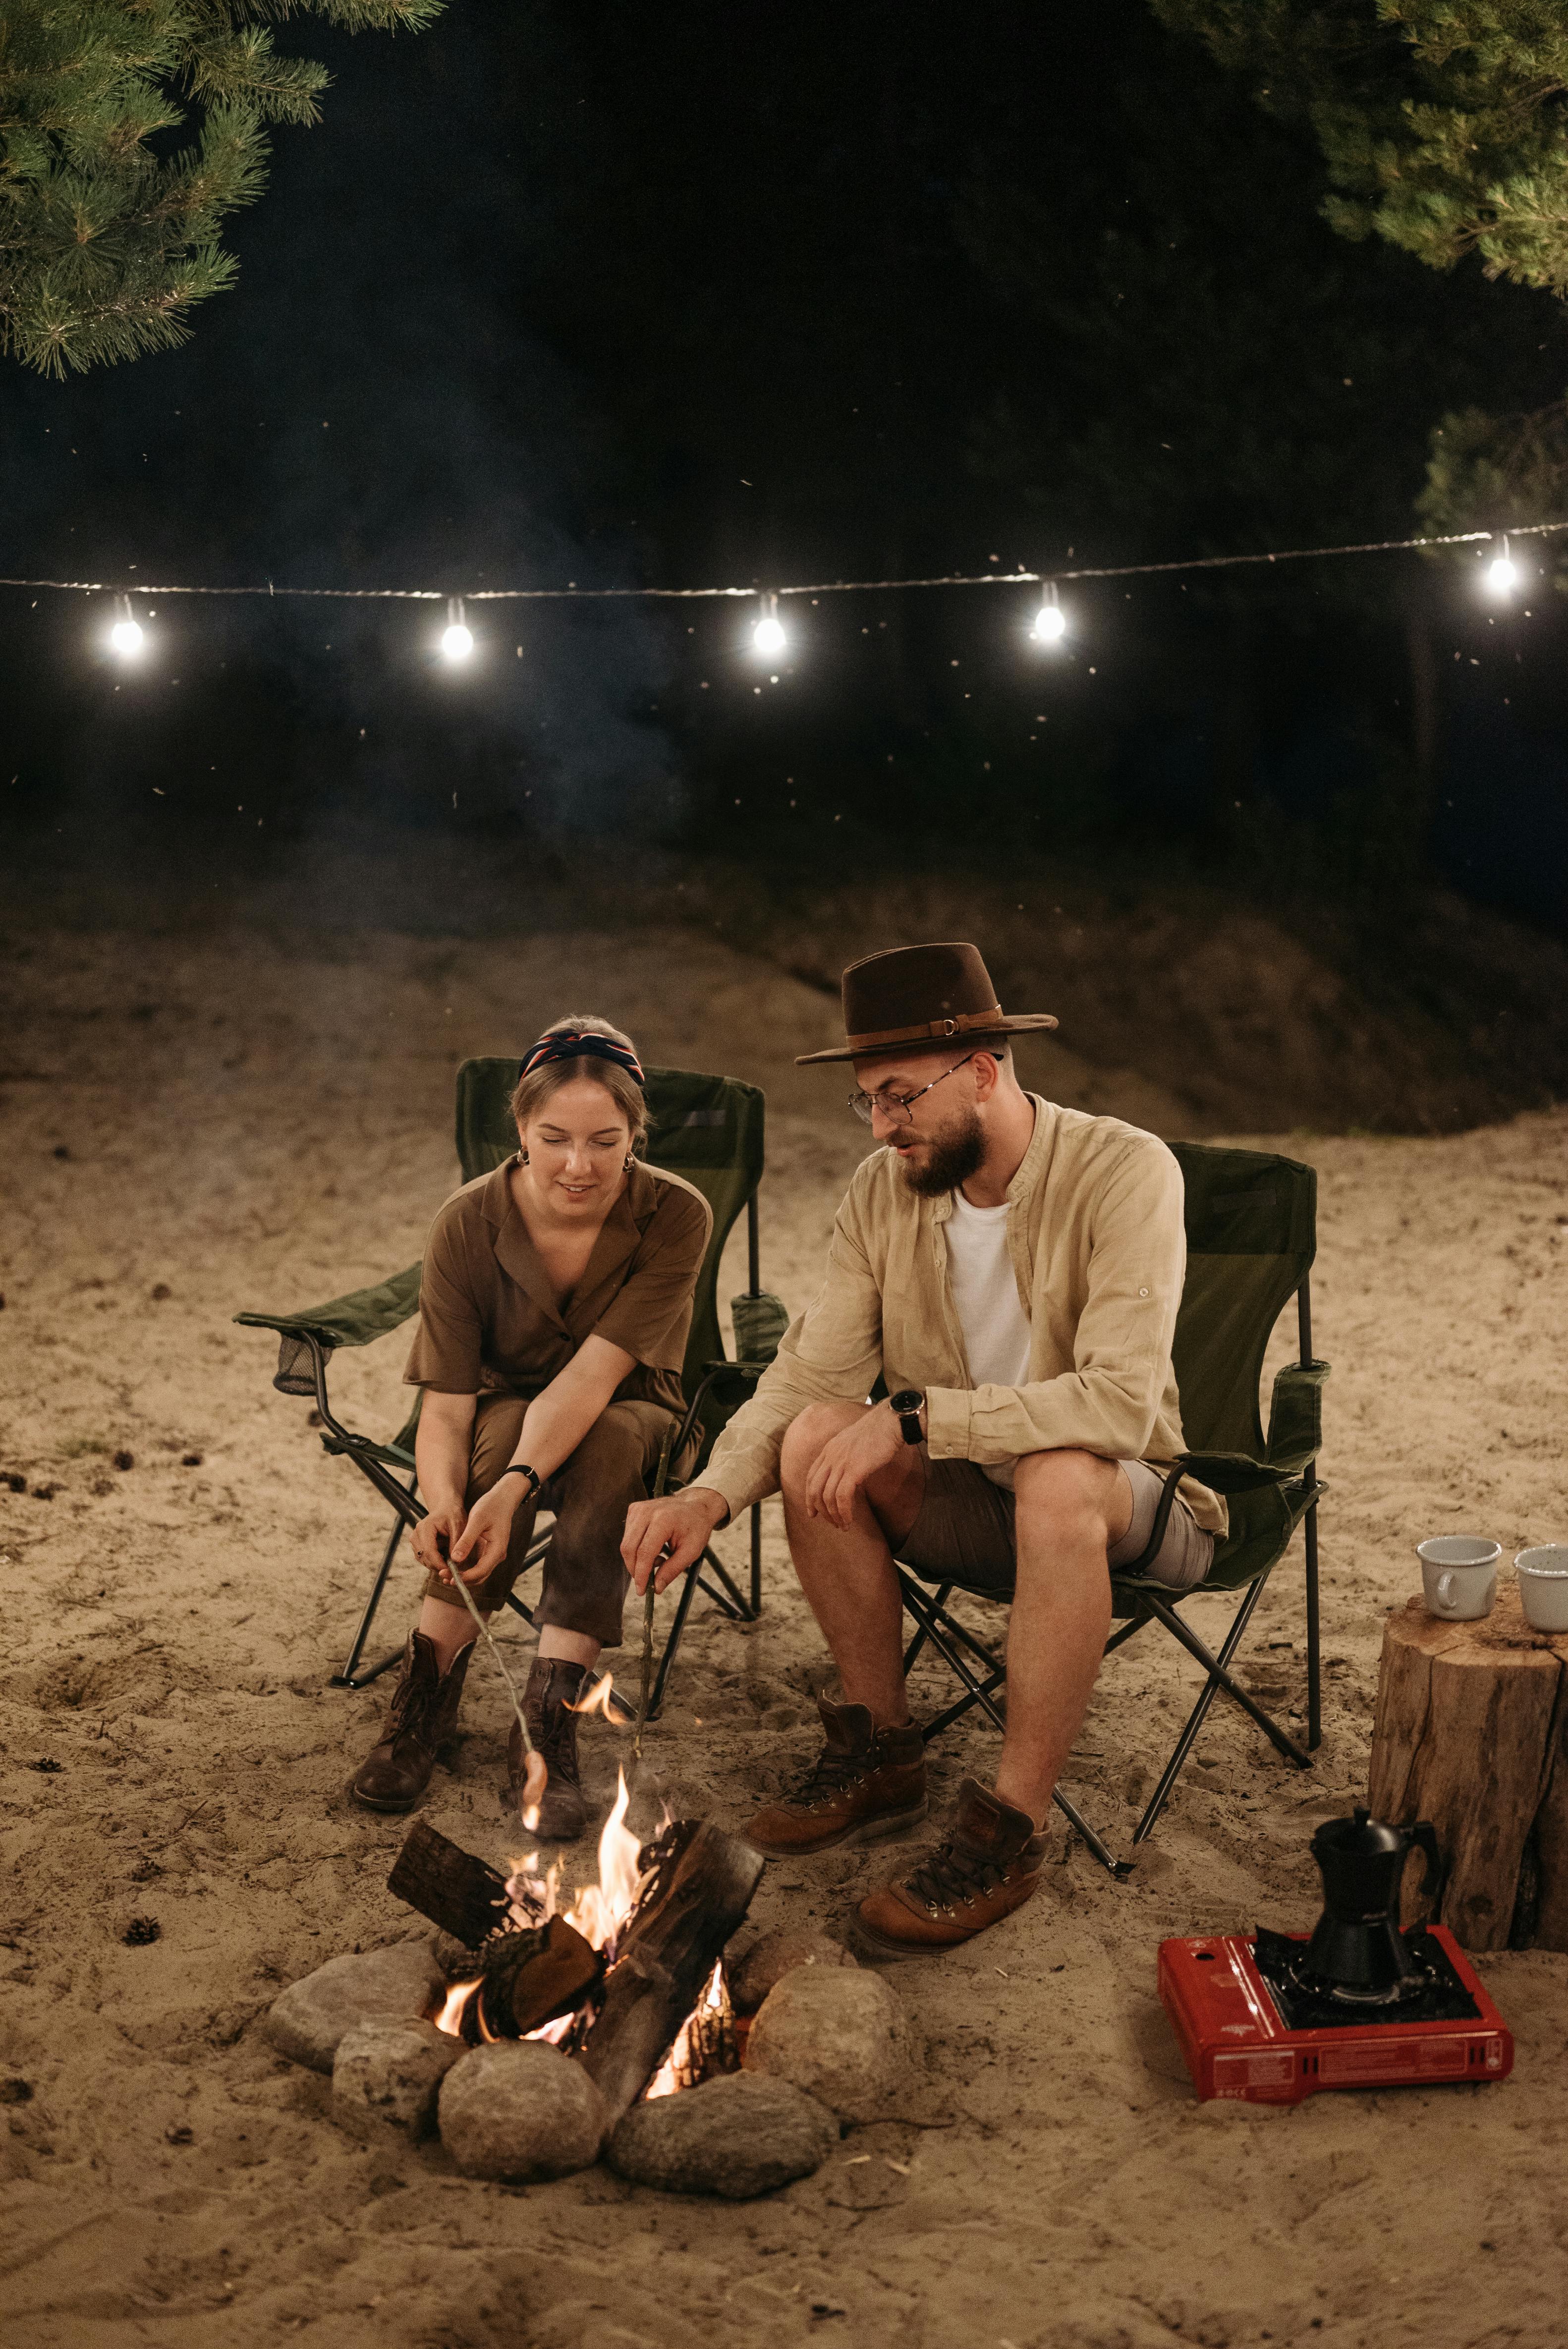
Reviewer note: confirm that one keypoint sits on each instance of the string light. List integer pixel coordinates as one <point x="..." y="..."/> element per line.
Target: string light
<point x="125" y="637"/>
<point x="1502" y="572"/>
<point x="1050" y="621"/>
<point x="768" y="636"/>
<point x="457" y="637"/>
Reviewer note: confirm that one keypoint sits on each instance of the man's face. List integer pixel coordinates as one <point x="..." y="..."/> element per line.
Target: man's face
<point x="923" y="1107"/>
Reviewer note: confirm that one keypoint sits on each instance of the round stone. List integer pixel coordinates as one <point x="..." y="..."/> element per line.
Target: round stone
<point x="386" y="2073"/>
<point x="777" y="1953"/>
<point x="838" y="2034"/>
<point x="521" y="2110"/>
<point x="737" y="2136"/>
<point x="306" y="2021"/>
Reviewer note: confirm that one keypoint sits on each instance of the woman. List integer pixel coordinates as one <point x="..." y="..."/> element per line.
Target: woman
<point x="554" y="1303"/>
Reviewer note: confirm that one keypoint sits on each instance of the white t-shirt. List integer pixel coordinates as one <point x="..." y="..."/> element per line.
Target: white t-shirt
<point x="991" y="1315"/>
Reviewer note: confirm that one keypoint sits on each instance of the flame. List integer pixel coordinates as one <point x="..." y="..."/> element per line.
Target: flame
<point x="598" y="1699"/>
<point x="599" y="1911"/>
<point x="450" y="2018"/>
<point x="672" y="2072"/>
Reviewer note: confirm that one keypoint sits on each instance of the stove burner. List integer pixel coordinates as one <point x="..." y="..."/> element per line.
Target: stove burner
<point x="1432" y="1993"/>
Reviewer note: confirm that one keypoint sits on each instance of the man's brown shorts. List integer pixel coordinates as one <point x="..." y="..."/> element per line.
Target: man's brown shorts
<point x="964" y="1532"/>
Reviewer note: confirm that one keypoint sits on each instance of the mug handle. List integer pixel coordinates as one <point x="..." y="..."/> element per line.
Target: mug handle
<point x="1445" y="1589"/>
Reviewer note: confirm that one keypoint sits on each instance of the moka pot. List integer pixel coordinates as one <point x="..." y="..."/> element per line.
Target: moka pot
<point x="1356" y="1950"/>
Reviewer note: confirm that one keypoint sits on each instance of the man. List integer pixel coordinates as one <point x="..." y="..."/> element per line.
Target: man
<point x="1012" y="1269"/>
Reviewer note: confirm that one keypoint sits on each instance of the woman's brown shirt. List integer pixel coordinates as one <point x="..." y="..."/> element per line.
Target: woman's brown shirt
<point x="489" y="1323"/>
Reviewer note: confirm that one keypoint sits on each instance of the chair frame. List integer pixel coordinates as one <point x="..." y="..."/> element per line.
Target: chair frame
<point x="982" y="1670"/>
<point x="369" y="1457"/>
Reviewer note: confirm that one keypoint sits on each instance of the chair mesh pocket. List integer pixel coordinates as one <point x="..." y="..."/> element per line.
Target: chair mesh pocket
<point x="759" y="1323"/>
<point x="295" y="1373"/>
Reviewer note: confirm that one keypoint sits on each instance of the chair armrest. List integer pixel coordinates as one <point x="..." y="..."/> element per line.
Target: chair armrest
<point x="1295" y="1415"/>
<point x="1231" y="1472"/>
<point x="357" y="1319"/>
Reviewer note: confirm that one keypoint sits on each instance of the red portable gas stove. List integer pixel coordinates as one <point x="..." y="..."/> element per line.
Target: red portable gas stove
<point x="1227" y="2015"/>
<point x="1356" y="2004"/>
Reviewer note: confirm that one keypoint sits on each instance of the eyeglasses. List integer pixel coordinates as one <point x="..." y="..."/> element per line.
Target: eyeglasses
<point x="900" y="1107"/>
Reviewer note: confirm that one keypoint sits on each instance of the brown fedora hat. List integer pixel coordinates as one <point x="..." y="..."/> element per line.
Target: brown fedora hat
<point x="921" y="995"/>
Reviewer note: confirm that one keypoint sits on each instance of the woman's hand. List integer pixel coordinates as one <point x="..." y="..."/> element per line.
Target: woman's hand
<point x="431" y="1539"/>
<point x="484" y="1539"/>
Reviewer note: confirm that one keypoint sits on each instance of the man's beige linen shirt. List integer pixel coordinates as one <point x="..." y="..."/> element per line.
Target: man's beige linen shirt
<point x="1098" y="1247"/>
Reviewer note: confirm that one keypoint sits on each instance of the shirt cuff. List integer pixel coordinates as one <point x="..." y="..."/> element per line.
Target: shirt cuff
<point x="947" y="1419"/>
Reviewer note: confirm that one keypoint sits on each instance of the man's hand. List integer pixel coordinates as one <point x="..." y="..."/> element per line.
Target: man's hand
<point x="485" y="1537"/>
<point x="844" y="1463"/>
<point x="431" y="1539"/>
<point x="664" y="1537"/>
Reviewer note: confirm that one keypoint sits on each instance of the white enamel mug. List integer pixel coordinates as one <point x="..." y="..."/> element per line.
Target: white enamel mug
<point x="1544" y="1585"/>
<point x="1459" y="1575"/>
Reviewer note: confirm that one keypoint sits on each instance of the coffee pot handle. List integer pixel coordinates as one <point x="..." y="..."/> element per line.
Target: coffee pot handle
<point x="1424" y="1837"/>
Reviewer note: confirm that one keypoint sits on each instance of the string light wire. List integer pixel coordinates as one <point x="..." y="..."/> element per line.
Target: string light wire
<point x="572" y="592"/>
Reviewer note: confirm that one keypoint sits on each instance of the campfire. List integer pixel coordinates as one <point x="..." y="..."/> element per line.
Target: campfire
<point x="626" y="1977"/>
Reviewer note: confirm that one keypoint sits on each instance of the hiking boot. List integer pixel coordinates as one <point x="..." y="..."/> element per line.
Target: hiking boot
<point x="419" y="1721"/>
<point x="554" y="1686"/>
<point x="866" y="1783"/>
<point x="987" y="1867"/>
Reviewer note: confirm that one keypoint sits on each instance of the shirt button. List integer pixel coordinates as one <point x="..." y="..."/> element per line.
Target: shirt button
<point x="1143" y="1292"/>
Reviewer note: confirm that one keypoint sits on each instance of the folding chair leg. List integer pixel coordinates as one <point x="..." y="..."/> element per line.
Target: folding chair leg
<point x="1314" y="1638"/>
<point x="1233" y="1688"/>
<point x="1196" y="1718"/>
<point x="351" y="1676"/>
<point x="943" y="1594"/>
<point x="756" y="1560"/>
<point x="740" y="1611"/>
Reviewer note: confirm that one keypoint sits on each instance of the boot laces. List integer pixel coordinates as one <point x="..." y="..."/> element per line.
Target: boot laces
<point x="954" y="1873"/>
<point x="830" y="1775"/>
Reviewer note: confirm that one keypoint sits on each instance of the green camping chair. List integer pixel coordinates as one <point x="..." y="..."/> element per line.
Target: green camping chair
<point x="708" y="1129"/>
<point x="1251" y="1238"/>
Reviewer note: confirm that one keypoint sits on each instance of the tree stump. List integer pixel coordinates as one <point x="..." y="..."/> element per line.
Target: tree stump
<point x="1471" y="1732"/>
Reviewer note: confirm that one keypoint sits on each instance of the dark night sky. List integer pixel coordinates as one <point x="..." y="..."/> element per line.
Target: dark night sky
<point x="616" y="295"/>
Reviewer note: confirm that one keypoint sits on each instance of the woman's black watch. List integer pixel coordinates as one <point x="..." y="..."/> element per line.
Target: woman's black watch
<point x="906" y="1406"/>
<point x="521" y="1468"/>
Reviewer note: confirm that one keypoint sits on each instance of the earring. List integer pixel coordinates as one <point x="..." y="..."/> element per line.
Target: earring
<point x="626" y="1163"/>
<point x="522" y="1157"/>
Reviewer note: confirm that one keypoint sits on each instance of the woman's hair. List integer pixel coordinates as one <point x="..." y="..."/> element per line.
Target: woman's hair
<point x="534" y="1089"/>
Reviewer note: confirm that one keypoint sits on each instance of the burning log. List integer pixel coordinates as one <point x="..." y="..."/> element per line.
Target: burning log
<point x="447" y="1884"/>
<point x="701" y="1889"/>
<point x="529" y="1978"/>
<point x="525" y="1977"/>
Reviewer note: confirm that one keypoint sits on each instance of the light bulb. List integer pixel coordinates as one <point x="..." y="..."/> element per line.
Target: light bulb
<point x="1501" y="575"/>
<point x="125" y="638"/>
<point x="1050" y="624"/>
<point x="767" y="636"/>
<point x="457" y="641"/>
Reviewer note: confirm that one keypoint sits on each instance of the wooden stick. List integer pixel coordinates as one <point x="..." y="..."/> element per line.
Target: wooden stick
<point x="661" y="1476"/>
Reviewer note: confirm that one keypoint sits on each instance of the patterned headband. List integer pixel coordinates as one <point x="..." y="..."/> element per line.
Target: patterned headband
<point x="571" y="1044"/>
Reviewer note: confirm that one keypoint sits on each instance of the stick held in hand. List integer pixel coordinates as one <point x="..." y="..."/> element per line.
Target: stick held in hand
<point x="661" y="1478"/>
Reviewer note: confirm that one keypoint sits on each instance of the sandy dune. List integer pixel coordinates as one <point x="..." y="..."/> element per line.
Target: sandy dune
<point x="237" y="1124"/>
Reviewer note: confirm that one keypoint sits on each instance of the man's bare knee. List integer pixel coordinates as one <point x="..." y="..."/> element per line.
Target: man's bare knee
<point x="805" y="1435"/>
<point x="1069" y="1489"/>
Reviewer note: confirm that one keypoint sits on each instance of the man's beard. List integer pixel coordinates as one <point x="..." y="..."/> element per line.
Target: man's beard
<point x="952" y="1157"/>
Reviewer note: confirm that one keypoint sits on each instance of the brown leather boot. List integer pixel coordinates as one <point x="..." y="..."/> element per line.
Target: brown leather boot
<point x="553" y="1687"/>
<point x="419" y="1721"/>
<point x="866" y="1783"/>
<point x="987" y="1867"/>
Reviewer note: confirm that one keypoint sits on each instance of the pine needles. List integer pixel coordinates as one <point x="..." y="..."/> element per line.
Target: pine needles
<point x="108" y="229"/>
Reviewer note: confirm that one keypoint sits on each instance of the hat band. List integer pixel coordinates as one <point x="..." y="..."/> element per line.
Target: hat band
<point x="966" y="1024"/>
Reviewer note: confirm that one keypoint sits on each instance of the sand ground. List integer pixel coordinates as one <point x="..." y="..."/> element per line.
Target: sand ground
<point x="195" y="1128"/>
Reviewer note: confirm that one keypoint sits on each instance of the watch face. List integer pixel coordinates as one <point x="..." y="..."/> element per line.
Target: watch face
<point x="906" y="1399"/>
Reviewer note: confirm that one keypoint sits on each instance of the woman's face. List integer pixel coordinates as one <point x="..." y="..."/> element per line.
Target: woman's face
<point x="577" y="1142"/>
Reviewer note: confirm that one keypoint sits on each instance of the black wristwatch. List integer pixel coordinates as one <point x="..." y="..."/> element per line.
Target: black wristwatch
<point x="521" y="1468"/>
<point x="906" y="1406"/>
